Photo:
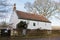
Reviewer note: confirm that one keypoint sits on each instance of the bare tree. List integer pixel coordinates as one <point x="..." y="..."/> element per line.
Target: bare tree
<point x="5" y="8"/>
<point x="46" y="8"/>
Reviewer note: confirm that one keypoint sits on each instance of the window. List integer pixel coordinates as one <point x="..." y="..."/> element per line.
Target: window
<point x="34" y="24"/>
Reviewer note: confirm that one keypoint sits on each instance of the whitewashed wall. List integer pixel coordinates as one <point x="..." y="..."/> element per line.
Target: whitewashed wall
<point x="14" y="20"/>
<point x="39" y="25"/>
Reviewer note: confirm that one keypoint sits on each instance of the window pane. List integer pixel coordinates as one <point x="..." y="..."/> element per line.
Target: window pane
<point x="33" y="24"/>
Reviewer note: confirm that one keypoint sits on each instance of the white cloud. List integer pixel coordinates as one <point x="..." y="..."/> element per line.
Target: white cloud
<point x="56" y="0"/>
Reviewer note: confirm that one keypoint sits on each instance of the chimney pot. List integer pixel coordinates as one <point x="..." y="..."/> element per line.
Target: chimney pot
<point x="14" y="7"/>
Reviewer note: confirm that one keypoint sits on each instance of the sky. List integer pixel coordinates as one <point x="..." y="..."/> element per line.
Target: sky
<point x="20" y="6"/>
<point x="56" y="0"/>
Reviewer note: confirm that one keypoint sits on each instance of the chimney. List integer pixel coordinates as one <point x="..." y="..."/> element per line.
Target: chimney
<point x="14" y="7"/>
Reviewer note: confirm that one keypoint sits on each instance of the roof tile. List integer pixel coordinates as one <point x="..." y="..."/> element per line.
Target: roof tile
<point x="29" y="16"/>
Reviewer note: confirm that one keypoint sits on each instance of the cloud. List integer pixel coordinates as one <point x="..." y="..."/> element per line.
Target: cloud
<point x="56" y="0"/>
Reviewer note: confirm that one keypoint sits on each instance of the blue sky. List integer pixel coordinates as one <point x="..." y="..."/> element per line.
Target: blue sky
<point x="20" y="4"/>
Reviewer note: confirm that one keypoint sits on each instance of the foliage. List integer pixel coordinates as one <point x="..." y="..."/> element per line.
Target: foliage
<point x="20" y="27"/>
<point x="46" y="8"/>
<point x="21" y="24"/>
<point x="4" y="24"/>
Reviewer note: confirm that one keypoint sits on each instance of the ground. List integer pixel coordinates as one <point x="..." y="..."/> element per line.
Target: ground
<point x="55" y="35"/>
<point x="18" y="38"/>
